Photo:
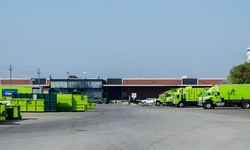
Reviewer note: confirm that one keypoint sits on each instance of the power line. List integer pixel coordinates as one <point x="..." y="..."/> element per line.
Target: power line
<point x="4" y="70"/>
<point x="21" y="77"/>
<point x="5" y="67"/>
<point x="4" y="73"/>
<point x="43" y="75"/>
<point x="24" y="72"/>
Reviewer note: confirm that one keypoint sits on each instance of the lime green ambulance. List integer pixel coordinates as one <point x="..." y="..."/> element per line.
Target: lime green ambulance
<point x="165" y="98"/>
<point x="188" y="96"/>
<point x="227" y="95"/>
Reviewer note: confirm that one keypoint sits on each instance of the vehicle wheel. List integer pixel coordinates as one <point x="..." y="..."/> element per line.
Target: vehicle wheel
<point x="158" y="104"/>
<point x="208" y="105"/>
<point x="181" y="104"/>
<point x="246" y="105"/>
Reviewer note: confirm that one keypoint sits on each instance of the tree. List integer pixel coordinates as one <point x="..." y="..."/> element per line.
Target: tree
<point x="227" y="80"/>
<point x="124" y="95"/>
<point x="240" y="74"/>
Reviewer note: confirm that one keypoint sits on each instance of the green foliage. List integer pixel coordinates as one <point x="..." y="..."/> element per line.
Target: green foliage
<point x="240" y="74"/>
<point x="124" y="95"/>
<point x="227" y="81"/>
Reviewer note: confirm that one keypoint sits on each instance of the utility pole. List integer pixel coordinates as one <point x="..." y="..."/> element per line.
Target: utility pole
<point x="10" y="74"/>
<point x="68" y="82"/>
<point x="38" y="72"/>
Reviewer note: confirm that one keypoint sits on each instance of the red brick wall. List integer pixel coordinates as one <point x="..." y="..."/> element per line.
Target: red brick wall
<point x="209" y="81"/>
<point x="152" y="81"/>
<point x="16" y="82"/>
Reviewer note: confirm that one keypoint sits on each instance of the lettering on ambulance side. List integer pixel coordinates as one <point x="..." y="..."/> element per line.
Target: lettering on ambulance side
<point x="231" y="92"/>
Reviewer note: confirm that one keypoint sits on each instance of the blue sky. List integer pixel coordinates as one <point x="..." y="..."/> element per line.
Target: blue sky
<point x="123" y="38"/>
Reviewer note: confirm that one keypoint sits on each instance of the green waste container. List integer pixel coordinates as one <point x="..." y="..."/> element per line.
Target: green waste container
<point x="91" y="105"/>
<point x="16" y="112"/>
<point x="13" y="112"/>
<point x="3" y="114"/>
<point x="77" y="103"/>
<point x="64" y="102"/>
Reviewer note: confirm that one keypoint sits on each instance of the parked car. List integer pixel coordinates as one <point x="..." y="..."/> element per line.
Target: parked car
<point x="133" y="101"/>
<point x="102" y="101"/>
<point x="148" y="101"/>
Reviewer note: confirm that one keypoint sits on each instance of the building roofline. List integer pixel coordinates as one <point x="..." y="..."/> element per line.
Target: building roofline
<point x="151" y="78"/>
<point x="152" y="85"/>
<point x="172" y="78"/>
<point x="211" y="78"/>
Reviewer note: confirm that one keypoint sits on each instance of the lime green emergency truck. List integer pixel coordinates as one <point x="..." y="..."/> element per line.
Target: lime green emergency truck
<point x="227" y="95"/>
<point x="165" y="98"/>
<point x="189" y="96"/>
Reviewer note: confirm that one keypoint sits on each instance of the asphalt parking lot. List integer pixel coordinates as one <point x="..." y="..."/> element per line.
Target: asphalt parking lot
<point x="114" y="126"/>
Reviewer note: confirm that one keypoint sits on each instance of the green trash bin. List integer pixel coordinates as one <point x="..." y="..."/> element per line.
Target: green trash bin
<point x="91" y="105"/>
<point x="16" y="112"/>
<point x="2" y="112"/>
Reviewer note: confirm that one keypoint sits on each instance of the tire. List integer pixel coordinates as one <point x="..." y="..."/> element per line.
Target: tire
<point x="208" y="105"/>
<point x="246" y="105"/>
<point x="158" y="103"/>
<point x="181" y="104"/>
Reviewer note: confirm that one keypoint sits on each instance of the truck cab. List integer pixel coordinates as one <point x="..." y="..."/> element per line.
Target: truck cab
<point x="161" y="99"/>
<point x="211" y="98"/>
<point x="165" y="98"/>
<point x="178" y="100"/>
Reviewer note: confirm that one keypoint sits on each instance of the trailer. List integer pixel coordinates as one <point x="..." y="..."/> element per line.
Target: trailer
<point x="227" y="95"/>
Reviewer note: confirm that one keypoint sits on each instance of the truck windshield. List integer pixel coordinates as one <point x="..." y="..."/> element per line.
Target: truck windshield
<point x="206" y="94"/>
<point x="176" y="96"/>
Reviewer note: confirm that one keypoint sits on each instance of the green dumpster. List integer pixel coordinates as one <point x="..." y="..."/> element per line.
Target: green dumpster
<point x="91" y="105"/>
<point x="78" y="104"/>
<point x="3" y="114"/>
<point x="64" y="102"/>
<point x="16" y="112"/>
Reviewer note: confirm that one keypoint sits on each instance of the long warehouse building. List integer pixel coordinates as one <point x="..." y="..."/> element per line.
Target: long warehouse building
<point x="112" y="88"/>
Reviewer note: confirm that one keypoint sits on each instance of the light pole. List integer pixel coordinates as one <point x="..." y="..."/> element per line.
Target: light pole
<point x="10" y="74"/>
<point x="84" y="75"/>
<point x="67" y="80"/>
<point x="38" y="72"/>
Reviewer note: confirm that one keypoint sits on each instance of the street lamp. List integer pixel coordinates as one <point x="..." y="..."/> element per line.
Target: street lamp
<point x="84" y="74"/>
<point x="68" y="81"/>
<point x="67" y="74"/>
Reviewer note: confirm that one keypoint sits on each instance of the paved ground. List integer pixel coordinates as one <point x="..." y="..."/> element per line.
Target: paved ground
<point x="111" y="127"/>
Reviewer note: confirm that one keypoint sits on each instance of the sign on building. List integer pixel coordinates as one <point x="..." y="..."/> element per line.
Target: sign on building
<point x="133" y="95"/>
<point x="9" y="92"/>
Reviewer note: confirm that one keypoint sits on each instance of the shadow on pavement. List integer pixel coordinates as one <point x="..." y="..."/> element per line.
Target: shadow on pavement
<point x="9" y="122"/>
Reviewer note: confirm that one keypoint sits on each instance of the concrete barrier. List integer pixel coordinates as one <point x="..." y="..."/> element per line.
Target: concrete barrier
<point x="124" y="103"/>
<point x="133" y="104"/>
